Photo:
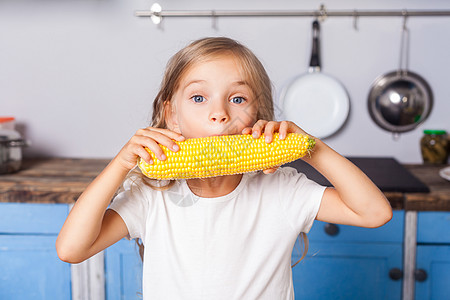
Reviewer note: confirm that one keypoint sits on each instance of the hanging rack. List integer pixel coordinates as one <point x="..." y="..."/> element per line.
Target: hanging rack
<point x="156" y="13"/>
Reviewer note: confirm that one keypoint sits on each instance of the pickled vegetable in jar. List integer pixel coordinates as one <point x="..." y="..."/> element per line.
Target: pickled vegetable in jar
<point x="434" y="146"/>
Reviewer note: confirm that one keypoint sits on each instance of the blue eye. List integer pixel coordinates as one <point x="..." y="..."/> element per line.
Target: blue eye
<point x="198" y="99"/>
<point x="238" y="100"/>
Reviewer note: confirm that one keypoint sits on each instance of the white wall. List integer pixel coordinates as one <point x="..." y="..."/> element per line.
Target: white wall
<point x="80" y="75"/>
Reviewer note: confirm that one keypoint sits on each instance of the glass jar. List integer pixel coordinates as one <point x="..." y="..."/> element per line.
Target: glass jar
<point x="434" y="146"/>
<point x="10" y="146"/>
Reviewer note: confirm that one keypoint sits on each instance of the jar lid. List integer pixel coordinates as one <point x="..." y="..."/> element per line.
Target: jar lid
<point x="435" y="132"/>
<point x="6" y="119"/>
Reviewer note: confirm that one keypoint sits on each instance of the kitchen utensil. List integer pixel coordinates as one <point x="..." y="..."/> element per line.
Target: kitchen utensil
<point x="316" y="102"/>
<point x="10" y="147"/>
<point x="400" y="100"/>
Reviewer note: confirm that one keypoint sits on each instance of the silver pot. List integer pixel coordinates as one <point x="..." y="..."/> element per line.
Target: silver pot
<point x="400" y="100"/>
<point x="10" y="154"/>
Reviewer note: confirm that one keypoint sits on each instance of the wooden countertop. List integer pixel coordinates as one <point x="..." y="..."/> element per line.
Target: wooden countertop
<point x="439" y="196"/>
<point x="59" y="180"/>
<point x="55" y="180"/>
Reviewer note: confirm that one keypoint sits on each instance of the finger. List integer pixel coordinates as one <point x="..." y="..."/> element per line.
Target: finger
<point x="270" y="128"/>
<point x="155" y="148"/>
<point x="160" y="138"/>
<point x="142" y="153"/>
<point x="141" y="141"/>
<point x="246" y="130"/>
<point x="283" y="130"/>
<point x="171" y="134"/>
<point x="131" y="152"/>
<point x="258" y="128"/>
<point x="292" y="127"/>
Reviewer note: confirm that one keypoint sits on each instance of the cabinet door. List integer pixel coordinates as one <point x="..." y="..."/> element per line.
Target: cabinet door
<point x="433" y="265"/>
<point x="29" y="265"/>
<point x="123" y="271"/>
<point x="348" y="271"/>
<point x="346" y="262"/>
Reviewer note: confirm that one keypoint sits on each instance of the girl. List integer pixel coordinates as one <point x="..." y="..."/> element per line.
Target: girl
<point x="228" y="237"/>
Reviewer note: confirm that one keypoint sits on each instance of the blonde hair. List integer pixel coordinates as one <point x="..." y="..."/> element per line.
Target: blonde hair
<point x="200" y="50"/>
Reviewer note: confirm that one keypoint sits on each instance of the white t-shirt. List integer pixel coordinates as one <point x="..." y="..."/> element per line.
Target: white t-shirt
<point x="237" y="246"/>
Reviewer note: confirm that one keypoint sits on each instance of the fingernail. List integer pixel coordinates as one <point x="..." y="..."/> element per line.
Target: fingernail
<point x="163" y="157"/>
<point x="267" y="139"/>
<point x="255" y="134"/>
<point x="176" y="147"/>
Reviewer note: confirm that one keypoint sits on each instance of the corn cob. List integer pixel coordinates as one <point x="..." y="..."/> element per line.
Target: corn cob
<point x="226" y="155"/>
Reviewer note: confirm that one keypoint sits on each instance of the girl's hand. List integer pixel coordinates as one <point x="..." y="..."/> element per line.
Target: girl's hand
<point x="150" y="138"/>
<point x="268" y="128"/>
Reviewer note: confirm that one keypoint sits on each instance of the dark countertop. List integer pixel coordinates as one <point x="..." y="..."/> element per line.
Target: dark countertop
<point x="59" y="180"/>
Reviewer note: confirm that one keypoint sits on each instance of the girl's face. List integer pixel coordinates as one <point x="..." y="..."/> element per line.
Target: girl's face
<point x="213" y="98"/>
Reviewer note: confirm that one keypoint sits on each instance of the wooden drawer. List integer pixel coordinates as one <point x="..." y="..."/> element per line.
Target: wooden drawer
<point x="20" y="218"/>
<point x="433" y="227"/>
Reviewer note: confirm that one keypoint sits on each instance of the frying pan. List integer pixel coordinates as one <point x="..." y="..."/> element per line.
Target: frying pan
<point x="400" y="100"/>
<point x="317" y="102"/>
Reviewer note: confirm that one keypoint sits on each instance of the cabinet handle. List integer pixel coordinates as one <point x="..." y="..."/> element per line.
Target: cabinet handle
<point x="395" y="274"/>
<point x="420" y="275"/>
<point x="331" y="229"/>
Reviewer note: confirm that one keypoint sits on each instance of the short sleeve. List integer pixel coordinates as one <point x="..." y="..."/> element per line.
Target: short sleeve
<point x="132" y="206"/>
<point x="300" y="198"/>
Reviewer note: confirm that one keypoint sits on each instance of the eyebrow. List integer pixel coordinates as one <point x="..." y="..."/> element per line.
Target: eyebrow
<point x="194" y="81"/>
<point x="237" y="83"/>
<point x="241" y="82"/>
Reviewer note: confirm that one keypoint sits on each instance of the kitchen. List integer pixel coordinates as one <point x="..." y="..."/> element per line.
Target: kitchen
<point x="79" y="76"/>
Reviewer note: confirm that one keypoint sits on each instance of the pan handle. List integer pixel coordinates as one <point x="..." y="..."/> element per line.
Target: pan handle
<point x="314" y="63"/>
<point x="403" y="65"/>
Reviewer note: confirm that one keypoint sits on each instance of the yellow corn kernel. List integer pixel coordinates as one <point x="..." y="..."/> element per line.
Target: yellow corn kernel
<point x="226" y="155"/>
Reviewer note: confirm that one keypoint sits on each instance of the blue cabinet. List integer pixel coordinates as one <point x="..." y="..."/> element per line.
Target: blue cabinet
<point x="31" y="269"/>
<point x="351" y="263"/>
<point x="345" y="263"/>
<point x="29" y="265"/>
<point x="123" y="271"/>
<point x="432" y="272"/>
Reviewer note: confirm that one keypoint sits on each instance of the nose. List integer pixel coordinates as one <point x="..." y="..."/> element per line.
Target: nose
<point x="219" y="114"/>
<point x="218" y="118"/>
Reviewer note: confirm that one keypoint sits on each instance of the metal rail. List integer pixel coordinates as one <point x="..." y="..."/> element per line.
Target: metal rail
<point x="156" y="13"/>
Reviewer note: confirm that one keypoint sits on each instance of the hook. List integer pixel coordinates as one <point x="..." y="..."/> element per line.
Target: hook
<point x="156" y="13"/>
<point x="214" y="19"/>
<point x="355" y="19"/>
<point x="322" y="13"/>
<point x="405" y="18"/>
